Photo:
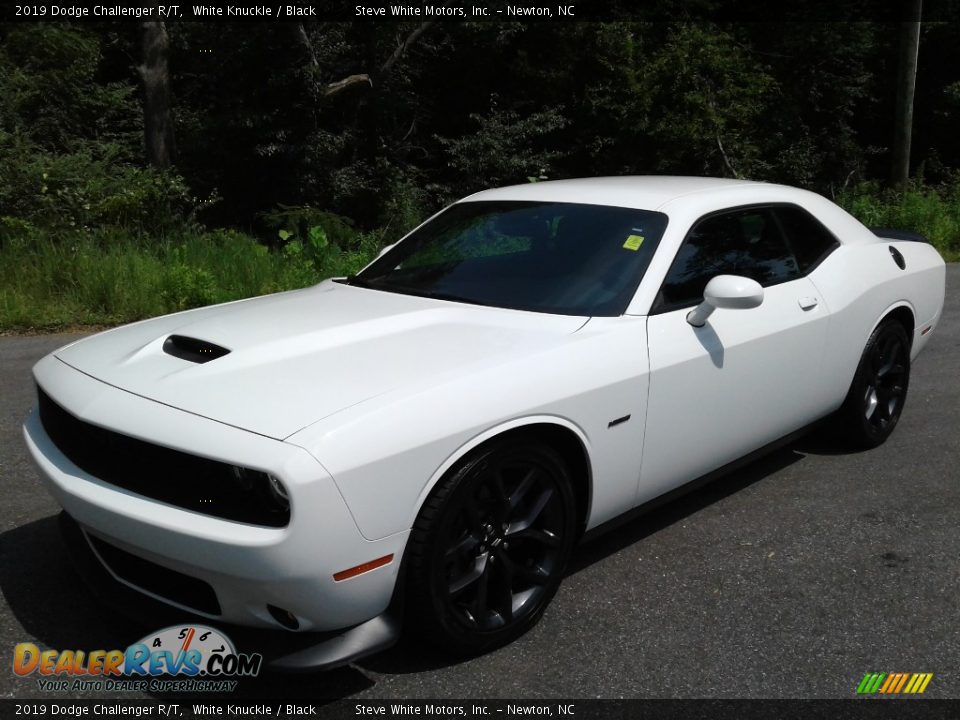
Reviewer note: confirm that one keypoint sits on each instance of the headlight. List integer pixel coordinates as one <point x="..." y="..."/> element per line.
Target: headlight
<point x="279" y="492"/>
<point x="268" y="488"/>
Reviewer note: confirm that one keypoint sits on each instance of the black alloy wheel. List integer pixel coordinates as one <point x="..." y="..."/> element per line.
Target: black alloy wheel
<point x="879" y="389"/>
<point x="490" y="546"/>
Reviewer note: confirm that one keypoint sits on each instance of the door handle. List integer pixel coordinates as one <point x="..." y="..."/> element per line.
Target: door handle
<point x="808" y="303"/>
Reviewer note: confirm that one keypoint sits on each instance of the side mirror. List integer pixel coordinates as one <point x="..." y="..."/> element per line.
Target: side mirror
<point x="384" y="251"/>
<point x="733" y="292"/>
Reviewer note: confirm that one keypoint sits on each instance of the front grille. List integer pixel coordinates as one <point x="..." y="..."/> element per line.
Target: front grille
<point x="156" y="579"/>
<point x="170" y="476"/>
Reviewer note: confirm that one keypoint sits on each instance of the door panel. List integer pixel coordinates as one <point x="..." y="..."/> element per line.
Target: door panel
<point x="745" y="379"/>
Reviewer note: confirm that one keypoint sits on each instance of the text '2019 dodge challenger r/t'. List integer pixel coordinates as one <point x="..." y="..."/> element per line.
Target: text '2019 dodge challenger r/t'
<point x="441" y="428"/>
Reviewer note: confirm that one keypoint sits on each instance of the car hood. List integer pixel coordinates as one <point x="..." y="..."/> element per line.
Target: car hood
<point x="298" y="357"/>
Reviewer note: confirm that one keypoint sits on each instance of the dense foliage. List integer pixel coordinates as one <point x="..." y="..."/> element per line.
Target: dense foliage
<point x="270" y="147"/>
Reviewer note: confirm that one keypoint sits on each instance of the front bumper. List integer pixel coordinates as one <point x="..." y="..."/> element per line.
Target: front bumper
<point x="247" y="567"/>
<point x="282" y="651"/>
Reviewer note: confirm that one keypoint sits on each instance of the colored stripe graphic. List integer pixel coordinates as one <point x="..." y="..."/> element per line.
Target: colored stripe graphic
<point x="919" y="683"/>
<point x="890" y="683"/>
<point x="871" y="683"/>
<point x="894" y="683"/>
<point x="900" y="683"/>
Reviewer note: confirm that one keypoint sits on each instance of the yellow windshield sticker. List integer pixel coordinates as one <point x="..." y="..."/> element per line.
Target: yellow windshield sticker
<point x="633" y="242"/>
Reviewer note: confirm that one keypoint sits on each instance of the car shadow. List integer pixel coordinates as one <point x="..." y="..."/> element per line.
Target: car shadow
<point x="410" y="656"/>
<point x="55" y="606"/>
<point x="826" y="440"/>
<point x="57" y="609"/>
<point x="47" y="596"/>
<point x="609" y="543"/>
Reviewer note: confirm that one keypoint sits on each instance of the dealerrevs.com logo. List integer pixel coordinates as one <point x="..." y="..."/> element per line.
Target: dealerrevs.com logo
<point x="202" y="659"/>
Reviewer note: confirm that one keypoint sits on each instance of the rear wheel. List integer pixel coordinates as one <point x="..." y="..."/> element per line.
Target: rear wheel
<point x="489" y="548"/>
<point x="879" y="389"/>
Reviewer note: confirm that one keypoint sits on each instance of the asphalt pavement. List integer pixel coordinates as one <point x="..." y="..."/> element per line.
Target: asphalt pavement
<point x="791" y="578"/>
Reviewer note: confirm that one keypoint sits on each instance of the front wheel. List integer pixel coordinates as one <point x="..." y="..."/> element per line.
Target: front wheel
<point x="490" y="546"/>
<point x="879" y="389"/>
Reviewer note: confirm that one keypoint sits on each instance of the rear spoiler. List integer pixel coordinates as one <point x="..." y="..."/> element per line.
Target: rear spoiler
<point x="888" y="234"/>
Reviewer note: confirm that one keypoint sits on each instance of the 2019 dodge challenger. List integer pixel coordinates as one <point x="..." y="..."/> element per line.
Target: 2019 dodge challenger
<point x="434" y="434"/>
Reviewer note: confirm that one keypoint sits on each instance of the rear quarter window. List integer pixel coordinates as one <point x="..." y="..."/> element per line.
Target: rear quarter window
<point x="810" y="241"/>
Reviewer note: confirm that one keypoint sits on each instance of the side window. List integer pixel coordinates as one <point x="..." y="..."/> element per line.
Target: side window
<point x="742" y="242"/>
<point x="810" y="240"/>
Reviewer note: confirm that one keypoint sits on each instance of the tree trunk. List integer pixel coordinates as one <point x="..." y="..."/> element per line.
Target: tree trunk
<point x="157" y="117"/>
<point x="906" y="82"/>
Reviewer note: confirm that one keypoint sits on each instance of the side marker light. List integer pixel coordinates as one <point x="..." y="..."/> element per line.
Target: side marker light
<point x="363" y="568"/>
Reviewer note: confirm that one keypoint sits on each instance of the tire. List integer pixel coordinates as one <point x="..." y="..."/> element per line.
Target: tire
<point x="879" y="388"/>
<point x="490" y="546"/>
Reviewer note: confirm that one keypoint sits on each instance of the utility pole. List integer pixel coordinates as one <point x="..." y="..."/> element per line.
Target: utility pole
<point x="906" y="83"/>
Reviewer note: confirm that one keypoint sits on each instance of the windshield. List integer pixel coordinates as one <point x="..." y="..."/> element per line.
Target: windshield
<point x="563" y="258"/>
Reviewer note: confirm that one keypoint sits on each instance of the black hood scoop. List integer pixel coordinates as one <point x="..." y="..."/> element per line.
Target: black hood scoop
<point x="192" y="349"/>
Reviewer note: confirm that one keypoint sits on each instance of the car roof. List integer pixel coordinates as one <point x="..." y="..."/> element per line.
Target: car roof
<point x="645" y="192"/>
<point x="684" y="198"/>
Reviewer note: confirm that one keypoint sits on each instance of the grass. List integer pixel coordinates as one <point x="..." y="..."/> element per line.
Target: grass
<point x="932" y="212"/>
<point x="51" y="281"/>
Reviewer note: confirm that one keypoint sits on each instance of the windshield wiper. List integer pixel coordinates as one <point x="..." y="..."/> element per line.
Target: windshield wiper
<point x="442" y="296"/>
<point x="357" y="281"/>
<point x="406" y="290"/>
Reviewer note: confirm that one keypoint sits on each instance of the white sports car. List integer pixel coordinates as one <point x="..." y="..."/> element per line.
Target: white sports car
<point x="436" y="433"/>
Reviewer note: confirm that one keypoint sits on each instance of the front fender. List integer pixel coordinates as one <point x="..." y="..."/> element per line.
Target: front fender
<point x="528" y="421"/>
<point x="387" y="456"/>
